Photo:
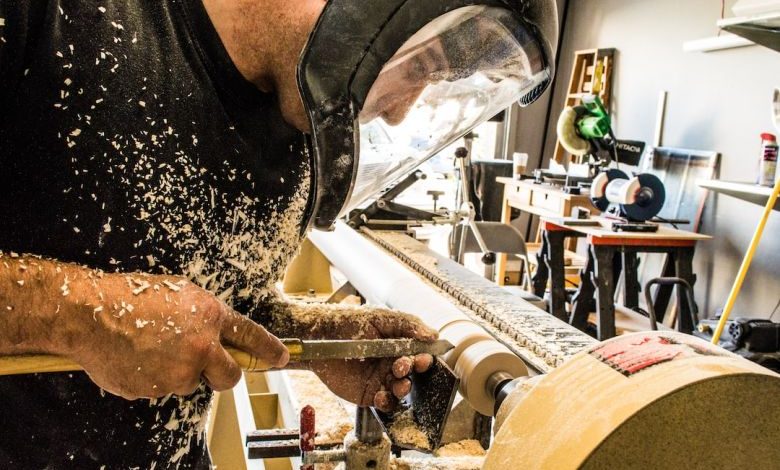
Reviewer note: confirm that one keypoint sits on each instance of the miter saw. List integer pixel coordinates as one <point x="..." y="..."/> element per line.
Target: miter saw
<point x="586" y="131"/>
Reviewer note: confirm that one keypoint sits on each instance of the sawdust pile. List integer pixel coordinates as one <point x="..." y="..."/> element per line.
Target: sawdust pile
<point x="448" y="463"/>
<point x="464" y="448"/>
<point x="332" y="420"/>
<point x="405" y="431"/>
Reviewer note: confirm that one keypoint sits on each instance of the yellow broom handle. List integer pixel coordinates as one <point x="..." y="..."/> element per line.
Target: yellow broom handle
<point x="746" y="264"/>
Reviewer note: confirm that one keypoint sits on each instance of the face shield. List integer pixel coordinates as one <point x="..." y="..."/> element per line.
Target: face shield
<point x="411" y="95"/>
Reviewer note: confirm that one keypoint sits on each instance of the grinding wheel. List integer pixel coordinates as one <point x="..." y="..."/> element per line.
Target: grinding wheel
<point x="646" y="400"/>
<point x="462" y="334"/>
<point x="475" y="366"/>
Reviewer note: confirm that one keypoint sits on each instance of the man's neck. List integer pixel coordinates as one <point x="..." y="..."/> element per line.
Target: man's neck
<point x="237" y="24"/>
<point x="264" y="38"/>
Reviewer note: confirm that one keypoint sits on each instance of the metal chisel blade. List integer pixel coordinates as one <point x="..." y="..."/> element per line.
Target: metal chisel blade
<point x="318" y="350"/>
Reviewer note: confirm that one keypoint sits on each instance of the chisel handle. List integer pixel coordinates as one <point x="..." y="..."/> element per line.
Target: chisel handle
<point x="40" y="363"/>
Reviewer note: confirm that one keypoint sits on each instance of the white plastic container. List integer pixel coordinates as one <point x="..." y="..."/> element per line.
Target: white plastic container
<point x="767" y="169"/>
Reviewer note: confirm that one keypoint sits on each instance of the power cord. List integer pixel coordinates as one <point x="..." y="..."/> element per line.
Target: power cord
<point x="666" y="221"/>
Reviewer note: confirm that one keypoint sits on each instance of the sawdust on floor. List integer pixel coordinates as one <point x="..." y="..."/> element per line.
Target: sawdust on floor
<point x="444" y="463"/>
<point x="464" y="448"/>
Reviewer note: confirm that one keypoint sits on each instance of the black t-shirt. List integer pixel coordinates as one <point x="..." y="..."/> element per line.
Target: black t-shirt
<point x="130" y="142"/>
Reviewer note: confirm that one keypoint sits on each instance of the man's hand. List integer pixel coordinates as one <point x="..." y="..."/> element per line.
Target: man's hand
<point x="377" y="382"/>
<point x="135" y="335"/>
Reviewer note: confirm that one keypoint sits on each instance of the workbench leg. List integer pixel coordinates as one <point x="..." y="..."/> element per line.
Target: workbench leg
<point x="631" y="287"/>
<point x="582" y="302"/>
<point x="684" y="265"/>
<point x="664" y="293"/>
<point x="506" y="217"/>
<point x="539" y="280"/>
<point x="555" y="264"/>
<point x="605" y="288"/>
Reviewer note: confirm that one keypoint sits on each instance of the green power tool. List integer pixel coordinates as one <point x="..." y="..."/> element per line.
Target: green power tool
<point x="587" y="130"/>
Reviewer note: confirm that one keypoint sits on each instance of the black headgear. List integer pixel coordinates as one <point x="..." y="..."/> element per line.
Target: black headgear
<point x="503" y="46"/>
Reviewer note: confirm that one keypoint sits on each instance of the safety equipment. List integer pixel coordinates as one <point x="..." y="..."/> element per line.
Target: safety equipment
<point x="387" y="84"/>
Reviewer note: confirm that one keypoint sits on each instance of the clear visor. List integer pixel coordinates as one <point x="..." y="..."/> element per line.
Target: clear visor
<point x="457" y="72"/>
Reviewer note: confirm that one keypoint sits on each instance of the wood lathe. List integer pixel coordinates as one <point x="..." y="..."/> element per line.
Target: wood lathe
<point x="545" y="395"/>
<point x="560" y="398"/>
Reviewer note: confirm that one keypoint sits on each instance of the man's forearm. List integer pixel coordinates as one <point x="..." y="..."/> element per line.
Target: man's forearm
<point x="322" y="321"/>
<point x="302" y="320"/>
<point x="29" y="307"/>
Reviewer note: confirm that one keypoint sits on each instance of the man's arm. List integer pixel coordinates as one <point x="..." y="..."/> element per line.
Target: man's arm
<point x="136" y="335"/>
<point x="317" y="320"/>
<point x="378" y="382"/>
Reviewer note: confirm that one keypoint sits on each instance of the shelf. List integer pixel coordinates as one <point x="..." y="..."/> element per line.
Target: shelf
<point x="761" y="29"/>
<point x="717" y="43"/>
<point x="746" y="191"/>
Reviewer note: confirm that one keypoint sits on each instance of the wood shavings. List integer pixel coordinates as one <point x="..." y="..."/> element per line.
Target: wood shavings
<point x="64" y="287"/>
<point x="171" y="285"/>
<point x="449" y="463"/>
<point x="138" y="290"/>
<point x="405" y="431"/>
<point x="466" y="447"/>
<point x="236" y="264"/>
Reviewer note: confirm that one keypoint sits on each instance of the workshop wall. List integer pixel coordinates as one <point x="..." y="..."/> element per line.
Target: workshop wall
<point x="717" y="101"/>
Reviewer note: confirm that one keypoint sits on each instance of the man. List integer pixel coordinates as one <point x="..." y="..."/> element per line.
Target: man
<point x="153" y="155"/>
<point x="132" y="143"/>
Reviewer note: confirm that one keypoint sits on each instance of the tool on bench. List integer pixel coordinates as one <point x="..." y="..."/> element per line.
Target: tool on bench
<point x="300" y="351"/>
<point x="636" y="200"/>
<point x="586" y="130"/>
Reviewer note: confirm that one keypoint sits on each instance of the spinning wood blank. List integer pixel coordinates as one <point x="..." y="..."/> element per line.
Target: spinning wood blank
<point x="475" y="366"/>
<point x="462" y="334"/>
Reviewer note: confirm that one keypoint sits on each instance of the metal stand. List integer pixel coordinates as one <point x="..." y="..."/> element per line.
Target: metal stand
<point x="369" y="446"/>
<point x="388" y="214"/>
<point x="468" y="212"/>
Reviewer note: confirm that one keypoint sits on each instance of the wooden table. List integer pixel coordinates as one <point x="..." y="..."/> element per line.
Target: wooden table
<point x="543" y="200"/>
<point x="609" y="253"/>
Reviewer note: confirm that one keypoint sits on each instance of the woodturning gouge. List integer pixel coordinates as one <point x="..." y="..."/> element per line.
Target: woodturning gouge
<point x="300" y="351"/>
